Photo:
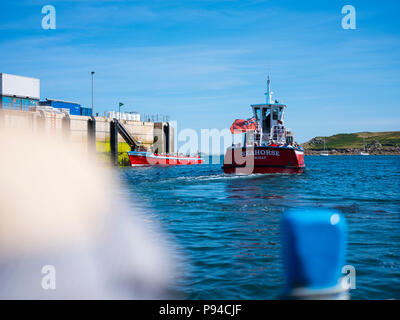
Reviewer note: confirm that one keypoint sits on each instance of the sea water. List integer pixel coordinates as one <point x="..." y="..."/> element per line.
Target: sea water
<point x="226" y="228"/>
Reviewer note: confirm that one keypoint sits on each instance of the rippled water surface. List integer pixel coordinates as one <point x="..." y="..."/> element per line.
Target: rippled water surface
<point x="227" y="227"/>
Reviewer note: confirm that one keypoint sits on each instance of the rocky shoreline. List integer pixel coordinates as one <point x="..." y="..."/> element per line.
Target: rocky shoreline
<point x="373" y="148"/>
<point x="351" y="152"/>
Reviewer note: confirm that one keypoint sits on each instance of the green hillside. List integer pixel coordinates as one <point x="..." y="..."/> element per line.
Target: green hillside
<point x="355" y="140"/>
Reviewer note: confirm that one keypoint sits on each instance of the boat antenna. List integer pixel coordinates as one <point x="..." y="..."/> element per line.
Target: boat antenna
<point x="269" y="93"/>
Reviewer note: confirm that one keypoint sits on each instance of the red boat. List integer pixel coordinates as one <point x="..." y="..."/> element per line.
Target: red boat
<point x="144" y="158"/>
<point x="268" y="146"/>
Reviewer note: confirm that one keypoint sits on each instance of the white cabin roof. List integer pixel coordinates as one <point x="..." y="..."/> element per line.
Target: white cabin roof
<point x="268" y="105"/>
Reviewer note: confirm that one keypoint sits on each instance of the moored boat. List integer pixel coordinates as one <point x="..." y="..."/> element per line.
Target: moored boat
<point x="365" y="152"/>
<point x="325" y="152"/>
<point x="268" y="146"/>
<point x="145" y="158"/>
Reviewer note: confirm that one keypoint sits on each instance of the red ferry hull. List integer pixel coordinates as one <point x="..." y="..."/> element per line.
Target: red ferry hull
<point x="138" y="158"/>
<point x="249" y="160"/>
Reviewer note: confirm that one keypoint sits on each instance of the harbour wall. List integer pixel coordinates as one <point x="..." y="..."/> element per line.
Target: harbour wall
<point x="156" y="135"/>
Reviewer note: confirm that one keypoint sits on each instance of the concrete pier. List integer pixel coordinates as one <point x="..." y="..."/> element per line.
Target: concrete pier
<point x="114" y="143"/>
<point x="89" y="130"/>
<point x="164" y="138"/>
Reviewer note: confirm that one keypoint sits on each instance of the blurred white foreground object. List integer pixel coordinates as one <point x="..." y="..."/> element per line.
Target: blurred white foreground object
<point x="64" y="234"/>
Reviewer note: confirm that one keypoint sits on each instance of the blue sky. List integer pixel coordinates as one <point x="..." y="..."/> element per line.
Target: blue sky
<point x="204" y="62"/>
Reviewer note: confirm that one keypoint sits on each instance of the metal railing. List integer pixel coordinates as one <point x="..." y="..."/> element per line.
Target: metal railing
<point x="154" y="118"/>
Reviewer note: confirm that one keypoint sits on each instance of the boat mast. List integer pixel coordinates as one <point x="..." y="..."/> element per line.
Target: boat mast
<point x="269" y="92"/>
<point x="268" y="101"/>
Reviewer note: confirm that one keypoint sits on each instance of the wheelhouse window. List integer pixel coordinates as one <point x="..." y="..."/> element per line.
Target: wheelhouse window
<point x="266" y="120"/>
<point x="275" y="114"/>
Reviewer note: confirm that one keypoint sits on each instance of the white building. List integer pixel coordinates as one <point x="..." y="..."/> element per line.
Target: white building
<point x="123" y="115"/>
<point x="18" y="92"/>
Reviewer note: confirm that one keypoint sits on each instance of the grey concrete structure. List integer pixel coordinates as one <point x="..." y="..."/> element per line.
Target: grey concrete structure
<point x="163" y="138"/>
<point x="157" y="136"/>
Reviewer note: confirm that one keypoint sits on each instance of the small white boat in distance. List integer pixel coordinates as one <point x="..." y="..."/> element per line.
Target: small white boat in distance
<point x="364" y="153"/>
<point x="324" y="153"/>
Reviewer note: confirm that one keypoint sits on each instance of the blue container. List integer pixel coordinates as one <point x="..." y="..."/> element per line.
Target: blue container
<point x="86" y="112"/>
<point x="63" y="104"/>
<point x="75" y="110"/>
